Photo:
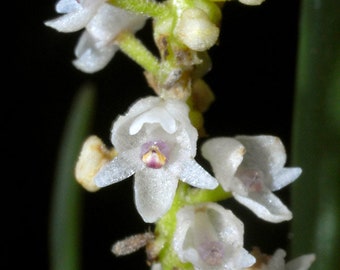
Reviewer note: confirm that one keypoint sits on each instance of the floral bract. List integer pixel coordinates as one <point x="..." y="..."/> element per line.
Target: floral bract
<point x="156" y="142"/>
<point x="251" y="167"/>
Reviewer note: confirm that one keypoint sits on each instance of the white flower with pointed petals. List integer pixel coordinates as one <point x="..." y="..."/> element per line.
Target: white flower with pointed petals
<point x="251" y="167"/>
<point x="96" y="47"/>
<point x="277" y="262"/>
<point x="211" y="238"/>
<point x="102" y="22"/>
<point x="156" y="143"/>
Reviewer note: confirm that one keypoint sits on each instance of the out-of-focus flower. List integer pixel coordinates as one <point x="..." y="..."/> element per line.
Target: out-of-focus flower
<point x="156" y="266"/>
<point x="251" y="2"/>
<point x="211" y="238"/>
<point x="251" y="167"/>
<point x="156" y="143"/>
<point x="102" y="22"/>
<point x="277" y="261"/>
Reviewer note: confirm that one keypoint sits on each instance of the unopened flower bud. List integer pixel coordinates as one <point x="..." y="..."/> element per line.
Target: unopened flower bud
<point x="195" y="30"/>
<point x="93" y="156"/>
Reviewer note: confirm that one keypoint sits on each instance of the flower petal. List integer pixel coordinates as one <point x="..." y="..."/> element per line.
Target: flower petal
<point x="180" y="111"/>
<point x="122" y="124"/>
<point x="76" y="20"/>
<point x="265" y="152"/>
<point x="224" y="155"/>
<point x="156" y="115"/>
<point x="91" y="59"/>
<point x="68" y="6"/>
<point x="265" y="205"/>
<point x="195" y="175"/>
<point x="301" y="263"/>
<point x="120" y="168"/>
<point x="154" y="193"/>
<point x="109" y="21"/>
<point x="277" y="261"/>
<point x="284" y="177"/>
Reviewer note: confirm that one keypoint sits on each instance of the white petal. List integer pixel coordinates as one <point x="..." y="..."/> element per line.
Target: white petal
<point x="74" y="21"/>
<point x="91" y="59"/>
<point x="301" y="263"/>
<point x="284" y="177"/>
<point x="156" y="266"/>
<point x="68" y="6"/>
<point x="277" y="261"/>
<point x="109" y="21"/>
<point x="143" y="105"/>
<point x="120" y="168"/>
<point x="185" y="217"/>
<point x="230" y="227"/>
<point x="120" y="128"/>
<point x="154" y="193"/>
<point x="224" y="155"/>
<point x="264" y="152"/>
<point x="244" y="259"/>
<point x="156" y="115"/>
<point x="180" y="111"/>
<point x="266" y="206"/>
<point x="193" y="174"/>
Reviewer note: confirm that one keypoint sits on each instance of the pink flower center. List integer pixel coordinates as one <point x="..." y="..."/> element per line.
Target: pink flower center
<point x="212" y="253"/>
<point x="251" y="179"/>
<point x="154" y="154"/>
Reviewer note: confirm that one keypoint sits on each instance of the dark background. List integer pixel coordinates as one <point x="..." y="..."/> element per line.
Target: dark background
<point x="252" y="77"/>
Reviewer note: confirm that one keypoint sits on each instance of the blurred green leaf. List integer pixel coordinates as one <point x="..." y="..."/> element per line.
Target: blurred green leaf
<point x="316" y="135"/>
<point x="65" y="212"/>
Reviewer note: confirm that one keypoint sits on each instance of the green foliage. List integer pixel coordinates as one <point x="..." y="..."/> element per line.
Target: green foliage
<point x="66" y="197"/>
<point x="316" y="135"/>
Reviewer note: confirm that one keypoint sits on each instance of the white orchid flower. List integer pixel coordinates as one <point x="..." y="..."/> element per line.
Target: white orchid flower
<point x="156" y="143"/>
<point x="102" y="22"/>
<point x="96" y="47"/>
<point x="251" y="167"/>
<point x="211" y="238"/>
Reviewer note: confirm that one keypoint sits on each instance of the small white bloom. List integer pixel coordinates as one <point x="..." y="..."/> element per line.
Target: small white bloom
<point x="102" y="22"/>
<point x="277" y="262"/>
<point x="156" y="143"/>
<point x="96" y="47"/>
<point x="251" y="167"/>
<point x="211" y="238"/>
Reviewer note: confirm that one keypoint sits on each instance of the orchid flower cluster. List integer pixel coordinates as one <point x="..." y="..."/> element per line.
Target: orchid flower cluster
<point x="156" y="141"/>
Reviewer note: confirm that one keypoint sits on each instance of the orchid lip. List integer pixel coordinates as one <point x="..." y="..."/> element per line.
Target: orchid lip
<point x="154" y="154"/>
<point x="252" y="179"/>
<point x="212" y="252"/>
